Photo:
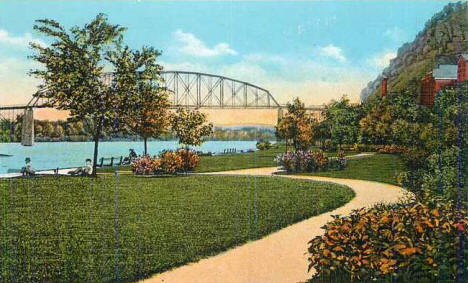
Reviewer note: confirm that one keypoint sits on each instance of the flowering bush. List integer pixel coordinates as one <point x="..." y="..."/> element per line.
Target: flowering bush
<point x="190" y="159"/>
<point x="168" y="162"/>
<point x="143" y="166"/>
<point x="407" y="239"/>
<point x="171" y="162"/>
<point x="303" y="161"/>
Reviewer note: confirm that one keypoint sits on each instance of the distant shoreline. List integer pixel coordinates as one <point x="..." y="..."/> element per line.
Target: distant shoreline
<point x="131" y="140"/>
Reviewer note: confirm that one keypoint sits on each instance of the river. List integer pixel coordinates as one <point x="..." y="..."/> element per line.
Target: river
<point x="48" y="155"/>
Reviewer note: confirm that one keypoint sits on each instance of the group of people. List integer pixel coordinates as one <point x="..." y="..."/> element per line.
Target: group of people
<point x="86" y="170"/>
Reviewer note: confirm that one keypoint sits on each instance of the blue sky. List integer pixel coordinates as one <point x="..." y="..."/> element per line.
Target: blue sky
<point x="317" y="50"/>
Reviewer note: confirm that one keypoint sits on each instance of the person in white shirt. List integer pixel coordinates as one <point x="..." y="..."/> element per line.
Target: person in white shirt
<point x="28" y="169"/>
<point x="83" y="171"/>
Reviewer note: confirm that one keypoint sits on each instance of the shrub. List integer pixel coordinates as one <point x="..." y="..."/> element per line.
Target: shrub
<point x="263" y="144"/>
<point x="403" y="241"/>
<point x="190" y="159"/>
<point x="171" y="162"/>
<point x="143" y="166"/>
<point x="328" y="145"/>
<point x="168" y="162"/>
<point x="338" y="162"/>
<point x="303" y="161"/>
<point x="359" y="147"/>
<point x="392" y="149"/>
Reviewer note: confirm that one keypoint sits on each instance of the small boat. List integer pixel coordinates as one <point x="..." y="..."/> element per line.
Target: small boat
<point x="5" y="155"/>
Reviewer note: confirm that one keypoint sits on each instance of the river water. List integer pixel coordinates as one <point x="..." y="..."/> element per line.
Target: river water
<point x="49" y="155"/>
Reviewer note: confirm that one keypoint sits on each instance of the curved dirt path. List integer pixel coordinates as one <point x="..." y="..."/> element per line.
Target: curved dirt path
<point x="279" y="257"/>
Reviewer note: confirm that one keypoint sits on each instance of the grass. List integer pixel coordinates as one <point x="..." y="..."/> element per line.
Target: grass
<point x="225" y="162"/>
<point x="73" y="229"/>
<point x="379" y="167"/>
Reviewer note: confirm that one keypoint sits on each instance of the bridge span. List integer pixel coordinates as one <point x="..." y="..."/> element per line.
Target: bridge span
<point x="186" y="89"/>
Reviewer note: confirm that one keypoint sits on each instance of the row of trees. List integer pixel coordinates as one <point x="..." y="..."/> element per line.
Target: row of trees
<point x="435" y="139"/>
<point x="74" y="78"/>
<point x="339" y="126"/>
<point x="394" y="120"/>
<point x="62" y="130"/>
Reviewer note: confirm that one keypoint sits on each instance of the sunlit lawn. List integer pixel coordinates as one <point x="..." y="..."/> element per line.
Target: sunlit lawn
<point x="73" y="229"/>
<point x="379" y="167"/>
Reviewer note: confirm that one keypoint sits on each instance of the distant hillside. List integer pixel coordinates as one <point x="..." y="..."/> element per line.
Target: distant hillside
<point x="436" y="44"/>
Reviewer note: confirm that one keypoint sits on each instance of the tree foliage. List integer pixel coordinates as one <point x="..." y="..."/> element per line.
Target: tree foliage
<point x="146" y="104"/>
<point x="73" y="70"/>
<point x="190" y="126"/>
<point x="296" y="126"/>
<point x="342" y="119"/>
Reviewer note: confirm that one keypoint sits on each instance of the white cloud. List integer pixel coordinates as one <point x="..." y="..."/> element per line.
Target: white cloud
<point x="191" y="45"/>
<point x="382" y="60"/>
<point x="18" y="41"/>
<point x="395" y="33"/>
<point x="333" y="51"/>
<point x="15" y="84"/>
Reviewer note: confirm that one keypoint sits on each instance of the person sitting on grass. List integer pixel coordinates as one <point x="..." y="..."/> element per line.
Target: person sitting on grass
<point x="28" y="169"/>
<point x="83" y="171"/>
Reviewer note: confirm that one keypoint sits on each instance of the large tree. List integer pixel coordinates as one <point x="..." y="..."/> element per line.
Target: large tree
<point x="73" y="71"/>
<point x="190" y="126"/>
<point x="146" y="102"/>
<point x="343" y="118"/>
<point x="296" y="125"/>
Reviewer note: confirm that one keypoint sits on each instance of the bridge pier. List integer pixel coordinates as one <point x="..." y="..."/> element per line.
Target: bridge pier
<point x="27" y="127"/>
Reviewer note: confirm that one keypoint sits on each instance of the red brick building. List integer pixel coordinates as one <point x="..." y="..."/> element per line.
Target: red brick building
<point x="463" y="68"/>
<point x="434" y="81"/>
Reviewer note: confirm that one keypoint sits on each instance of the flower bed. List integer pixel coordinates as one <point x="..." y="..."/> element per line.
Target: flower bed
<point x="406" y="240"/>
<point x="168" y="162"/>
<point x="310" y="161"/>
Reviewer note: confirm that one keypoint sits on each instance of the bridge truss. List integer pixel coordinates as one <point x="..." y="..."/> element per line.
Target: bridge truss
<point x="201" y="90"/>
<point x="191" y="90"/>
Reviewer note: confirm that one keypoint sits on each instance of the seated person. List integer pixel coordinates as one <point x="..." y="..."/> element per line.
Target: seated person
<point x="28" y="169"/>
<point x="83" y="171"/>
<point x="131" y="156"/>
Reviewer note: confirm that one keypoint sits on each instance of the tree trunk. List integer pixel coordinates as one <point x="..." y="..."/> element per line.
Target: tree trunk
<point x="96" y="146"/>
<point x="145" y="152"/>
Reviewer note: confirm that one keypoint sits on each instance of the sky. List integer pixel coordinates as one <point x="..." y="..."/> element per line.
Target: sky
<point x="314" y="50"/>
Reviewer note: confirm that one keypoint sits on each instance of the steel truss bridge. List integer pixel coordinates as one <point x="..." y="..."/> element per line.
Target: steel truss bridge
<point x="187" y="90"/>
<point x="200" y="90"/>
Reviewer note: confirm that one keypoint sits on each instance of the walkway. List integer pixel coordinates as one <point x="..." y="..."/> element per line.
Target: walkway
<point x="282" y="256"/>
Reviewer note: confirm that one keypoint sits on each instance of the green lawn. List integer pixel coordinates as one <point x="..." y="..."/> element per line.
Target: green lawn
<point x="379" y="167"/>
<point x="225" y="162"/>
<point x="64" y="229"/>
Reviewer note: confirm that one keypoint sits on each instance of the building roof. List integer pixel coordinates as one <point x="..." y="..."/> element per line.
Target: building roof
<point x="447" y="72"/>
<point x="465" y="56"/>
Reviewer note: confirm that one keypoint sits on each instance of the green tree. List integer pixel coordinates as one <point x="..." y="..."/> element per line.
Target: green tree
<point x="37" y="129"/>
<point x="71" y="130"/>
<point x="79" y="128"/>
<point x="146" y="103"/>
<point x="18" y="128"/>
<point x="296" y="125"/>
<point x="58" y="131"/>
<point x="343" y="119"/>
<point x="190" y="127"/>
<point x="73" y="71"/>
<point x="48" y="129"/>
